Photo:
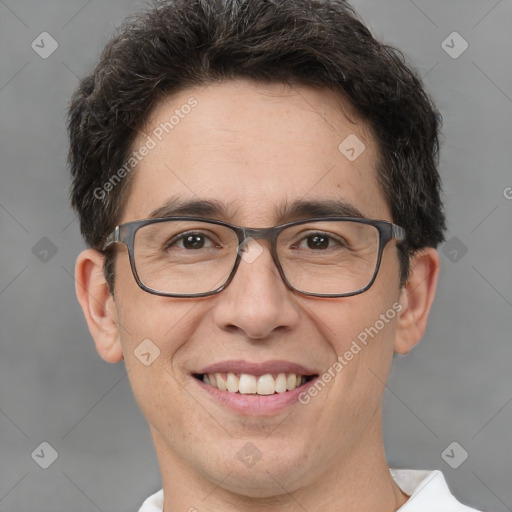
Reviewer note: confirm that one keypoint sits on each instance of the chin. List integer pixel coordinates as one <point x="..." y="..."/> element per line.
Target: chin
<point x="267" y="482"/>
<point x="259" y="474"/>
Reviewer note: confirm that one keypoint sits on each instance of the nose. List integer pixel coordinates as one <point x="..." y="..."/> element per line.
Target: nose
<point x="257" y="302"/>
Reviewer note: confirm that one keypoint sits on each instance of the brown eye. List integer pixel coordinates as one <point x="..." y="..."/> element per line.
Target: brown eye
<point x="318" y="242"/>
<point x="190" y="241"/>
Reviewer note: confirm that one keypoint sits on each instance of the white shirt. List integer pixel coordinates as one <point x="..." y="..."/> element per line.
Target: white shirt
<point x="428" y="492"/>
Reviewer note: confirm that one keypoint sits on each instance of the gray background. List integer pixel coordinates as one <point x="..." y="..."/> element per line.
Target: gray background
<point x="455" y="386"/>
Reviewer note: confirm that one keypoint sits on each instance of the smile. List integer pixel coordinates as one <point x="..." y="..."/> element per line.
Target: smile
<point x="247" y="384"/>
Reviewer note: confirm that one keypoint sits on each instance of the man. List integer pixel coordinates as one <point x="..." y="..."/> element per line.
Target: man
<point x="257" y="182"/>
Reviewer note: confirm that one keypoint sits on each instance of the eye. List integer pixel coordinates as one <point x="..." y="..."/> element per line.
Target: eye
<point x="190" y="241"/>
<point x="320" y="241"/>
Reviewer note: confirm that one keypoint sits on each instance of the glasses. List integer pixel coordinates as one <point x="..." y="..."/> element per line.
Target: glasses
<point x="196" y="257"/>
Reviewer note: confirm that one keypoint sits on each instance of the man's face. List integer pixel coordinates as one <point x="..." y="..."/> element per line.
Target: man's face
<point x="254" y="148"/>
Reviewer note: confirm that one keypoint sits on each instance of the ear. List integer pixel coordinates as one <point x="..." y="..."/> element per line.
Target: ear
<point x="416" y="299"/>
<point x="98" y="305"/>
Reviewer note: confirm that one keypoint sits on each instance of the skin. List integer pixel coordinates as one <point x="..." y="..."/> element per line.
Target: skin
<point x="253" y="146"/>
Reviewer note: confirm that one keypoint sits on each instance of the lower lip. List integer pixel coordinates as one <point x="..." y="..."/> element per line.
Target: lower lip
<point x="256" y="404"/>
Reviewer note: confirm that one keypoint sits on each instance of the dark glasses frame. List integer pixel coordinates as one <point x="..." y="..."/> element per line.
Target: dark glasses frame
<point x="125" y="234"/>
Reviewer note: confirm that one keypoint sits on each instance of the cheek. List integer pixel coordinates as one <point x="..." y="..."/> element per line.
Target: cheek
<point x="160" y="324"/>
<point x="153" y="332"/>
<point x="143" y="315"/>
<point x="350" y="317"/>
<point x="359" y="320"/>
<point x="361" y="333"/>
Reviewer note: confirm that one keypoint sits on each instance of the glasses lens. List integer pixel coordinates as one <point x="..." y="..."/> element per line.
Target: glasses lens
<point x="329" y="257"/>
<point x="184" y="257"/>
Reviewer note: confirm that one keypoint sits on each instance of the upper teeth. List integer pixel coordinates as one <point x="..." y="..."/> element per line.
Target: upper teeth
<point x="251" y="384"/>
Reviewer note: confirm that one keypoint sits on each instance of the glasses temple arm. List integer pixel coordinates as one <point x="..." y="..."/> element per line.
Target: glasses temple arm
<point x="398" y="232"/>
<point x="112" y="238"/>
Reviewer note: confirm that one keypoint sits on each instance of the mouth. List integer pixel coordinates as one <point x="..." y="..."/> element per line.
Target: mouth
<point x="255" y="388"/>
<point x="249" y="384"/>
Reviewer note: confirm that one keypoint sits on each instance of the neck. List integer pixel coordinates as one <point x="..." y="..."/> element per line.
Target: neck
<point x="357" y="481"/>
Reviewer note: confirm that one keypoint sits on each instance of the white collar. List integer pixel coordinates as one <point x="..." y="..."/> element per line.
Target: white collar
<point x="426" y="489"/>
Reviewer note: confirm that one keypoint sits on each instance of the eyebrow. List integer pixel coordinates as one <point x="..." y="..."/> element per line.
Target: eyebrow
<point x="208" y="208"/>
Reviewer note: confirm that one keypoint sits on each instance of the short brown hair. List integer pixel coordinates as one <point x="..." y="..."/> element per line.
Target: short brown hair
<point x="177" y="44"/>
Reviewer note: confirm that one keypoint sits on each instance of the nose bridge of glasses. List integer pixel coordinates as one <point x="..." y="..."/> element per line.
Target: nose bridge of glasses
<point x="258" y="233"/>
<point x="250" y="249"/>
<point x="267" y="234"/>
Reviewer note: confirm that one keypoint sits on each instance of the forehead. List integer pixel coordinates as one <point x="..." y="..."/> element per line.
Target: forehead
<point x="255" y="148"/>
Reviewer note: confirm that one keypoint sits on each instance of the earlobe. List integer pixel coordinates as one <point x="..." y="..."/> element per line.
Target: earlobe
<point x="98" y="305"/>
<point x="416" y="299"/>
